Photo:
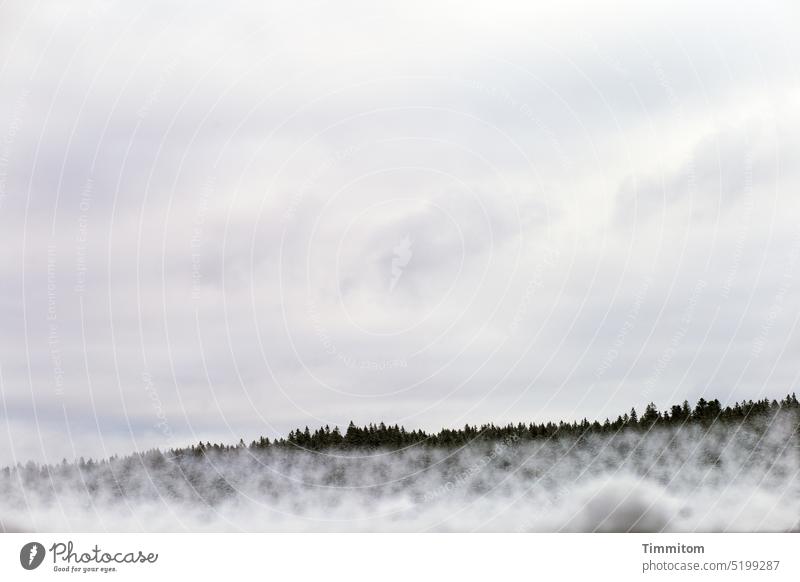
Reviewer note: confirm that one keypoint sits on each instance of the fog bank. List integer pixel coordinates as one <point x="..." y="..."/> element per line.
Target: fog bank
<point x="694" y="478"/>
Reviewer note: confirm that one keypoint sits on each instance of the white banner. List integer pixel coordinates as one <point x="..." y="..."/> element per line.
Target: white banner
<point x="398" y="557"/>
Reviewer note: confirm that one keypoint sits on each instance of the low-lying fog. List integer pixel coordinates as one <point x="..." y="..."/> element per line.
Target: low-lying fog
<point x="727" y="478"/>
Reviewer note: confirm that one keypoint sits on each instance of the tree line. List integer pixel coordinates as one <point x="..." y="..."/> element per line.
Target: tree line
<point x="372" y="436"/>
<point x="705" y="414"/>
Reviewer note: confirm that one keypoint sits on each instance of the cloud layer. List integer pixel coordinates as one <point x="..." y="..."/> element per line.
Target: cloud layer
<point x="220" y="225"/>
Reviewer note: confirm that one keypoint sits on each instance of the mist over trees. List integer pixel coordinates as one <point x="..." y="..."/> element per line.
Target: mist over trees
<point x="701" y="468"/>
<point x="704" y="414"/>
<point x="372" y="436"/>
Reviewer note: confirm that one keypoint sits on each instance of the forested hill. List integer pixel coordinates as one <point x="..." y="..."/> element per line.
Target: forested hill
<point x="382" y="436"/>
<point x="704" y="414"/>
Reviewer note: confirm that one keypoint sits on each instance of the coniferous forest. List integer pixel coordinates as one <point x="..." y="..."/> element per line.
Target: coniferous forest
<point x="706" y="468"/>
<point x="705" y="414"/>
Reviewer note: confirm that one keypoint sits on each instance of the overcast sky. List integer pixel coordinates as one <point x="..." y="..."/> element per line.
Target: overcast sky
<point x="226" y="220"/>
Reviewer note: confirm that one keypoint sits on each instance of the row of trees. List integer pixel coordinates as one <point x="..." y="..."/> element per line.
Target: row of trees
<point x="705" y="413"/>
<point x="373" y="436"/>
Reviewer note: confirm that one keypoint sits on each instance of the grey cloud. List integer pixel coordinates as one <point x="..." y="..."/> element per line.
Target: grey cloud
<point x="510" y="151"/>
